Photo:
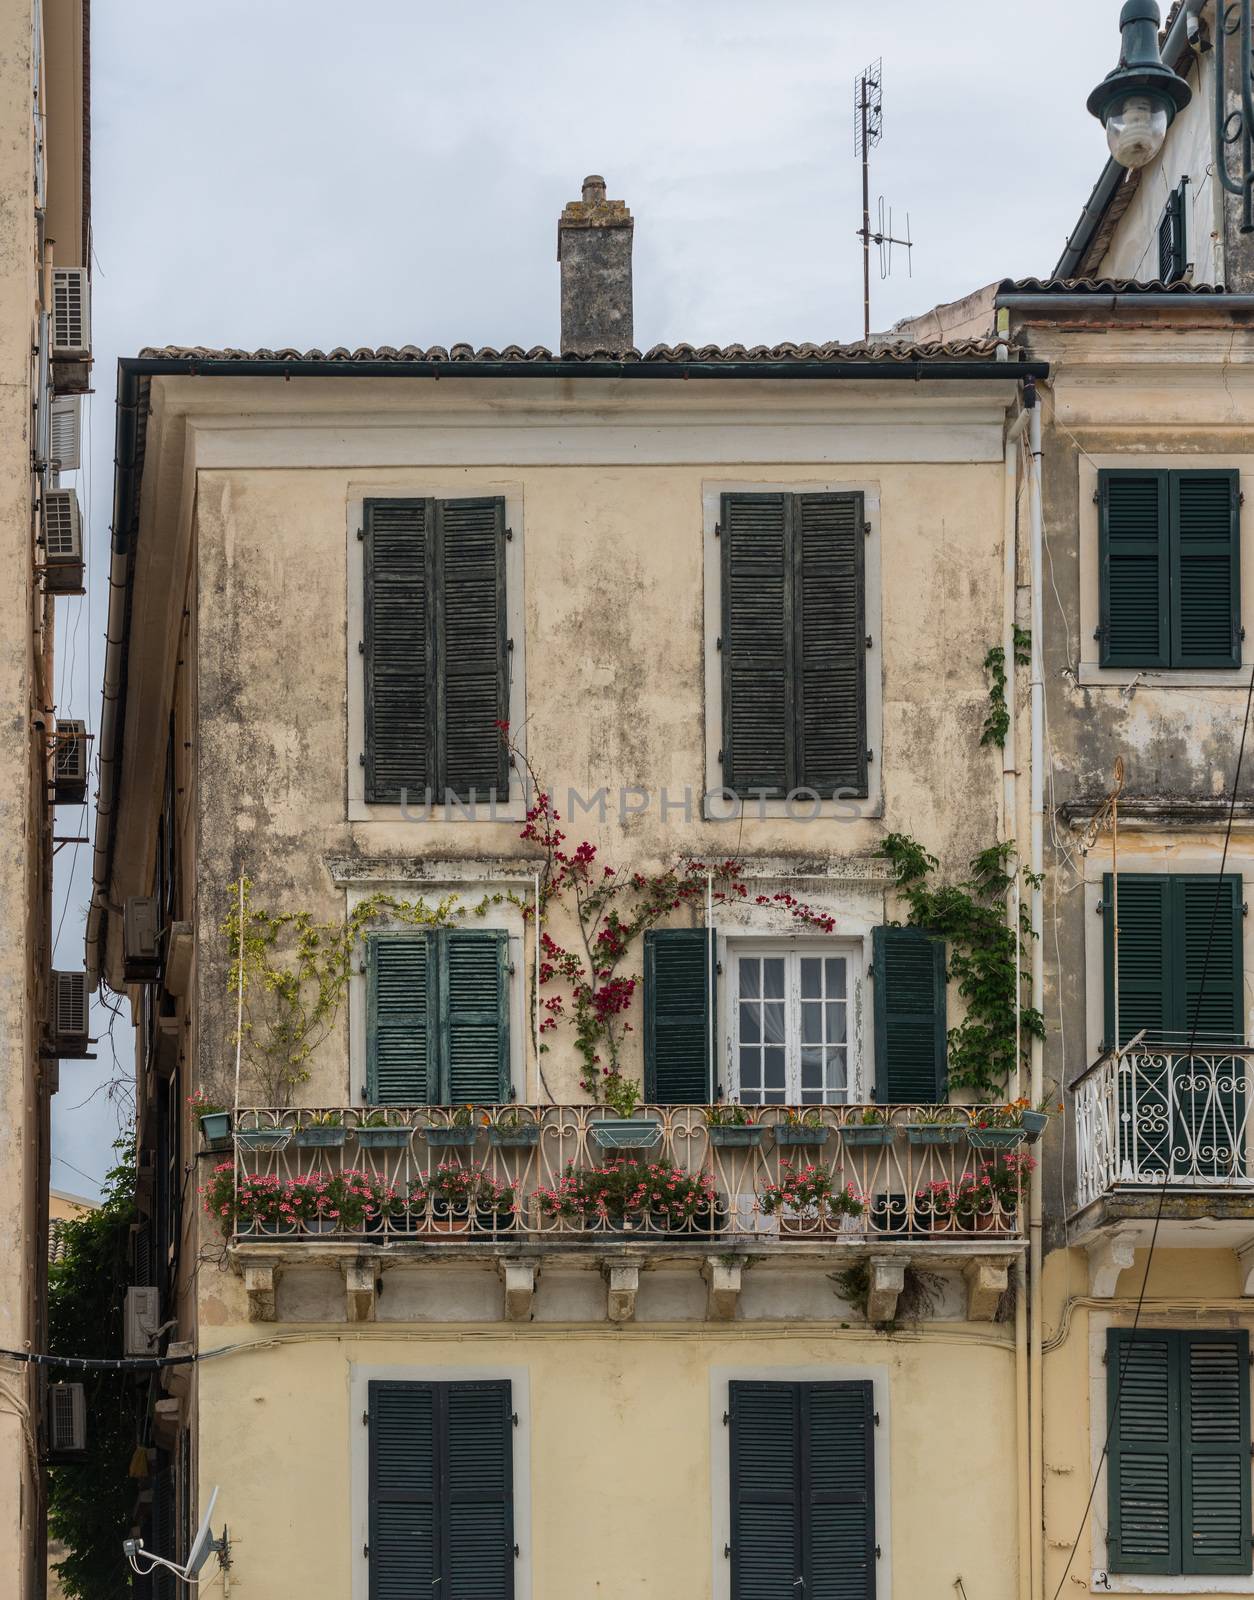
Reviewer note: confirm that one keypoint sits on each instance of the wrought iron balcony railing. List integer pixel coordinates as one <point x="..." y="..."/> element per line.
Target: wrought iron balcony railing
<point x="1157" y="1114"/>
<point x="578" y="1173"/>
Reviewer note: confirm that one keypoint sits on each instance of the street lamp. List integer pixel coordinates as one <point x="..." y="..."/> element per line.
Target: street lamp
<point x="1138" y="100"/>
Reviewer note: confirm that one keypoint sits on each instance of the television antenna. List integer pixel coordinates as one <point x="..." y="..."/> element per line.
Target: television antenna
<point x="868" y="130"/>
<point x="203" y="1546"/>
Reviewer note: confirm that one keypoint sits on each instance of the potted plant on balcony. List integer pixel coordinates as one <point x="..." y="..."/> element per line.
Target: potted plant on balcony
<point x="253" y="1205"/>
<point x="810" y="1198"/>
<point x="631" y="1195"/>
<point x="1035" y="1119"/>
<point x="936" y="1125"/>
<point x="263" y="1136"/>
<point x="325" y="1130"/>
<point x="512" y="1127"/>
<point x="801" y="1128"/>
<point x="623" y="1131"/>
<point x="454" y="1198"/>
<point x="215" y="1120"/>
<point x="459" y="1132"/>
<point x="732" y="1125"/>
<point x="996" y="1128"/>
<point x="870" y="1127"/>
<point x="382" y="1130"/>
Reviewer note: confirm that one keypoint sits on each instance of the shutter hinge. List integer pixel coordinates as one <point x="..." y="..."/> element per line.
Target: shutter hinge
<point x="509" y="644"/>
<point x="726" y="1418"/>
<point x="365" y="1551"/>
<point x="876" y="1415"/>
<point x="517" y="1552"/>
<point x="510" y="968"/>
<point x="361" y="533"/>
<point x="718" y="643"/>
<point x="1097" y="499"/>
<point x="868" y="641"/>
<point x="866" y="528"/>
<point x="720" y="757"/>
<point x="361" y="759"/>
<point x="361" y="647"/>
<point x="718" y="532"/>
<point x="513" y="1416"/>
<point x="1099" y="633"/>
<point x="870" y="755"/>
<point x="1245" y="908"/>
<point x="509" y="533"/>
<point x="718" y="968"/>
<point x="727" y="1552"/>
<point x="1105" y="1353"/>
<point x="1241" y="498"/>
<point x="365" y="1419"/>
<point x="879" y="1554"/>
<point x="1101" y="908"/>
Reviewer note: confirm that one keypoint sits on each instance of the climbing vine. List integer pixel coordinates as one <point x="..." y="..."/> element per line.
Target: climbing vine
<point x="921" y="1293"/>
<point x="971" y="917"/>
<point x="997" y="722"/>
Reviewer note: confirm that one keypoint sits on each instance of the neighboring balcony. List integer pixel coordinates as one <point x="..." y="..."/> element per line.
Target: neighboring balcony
<point x="365" y="1187"/>
<point x="1163" y="1133"/>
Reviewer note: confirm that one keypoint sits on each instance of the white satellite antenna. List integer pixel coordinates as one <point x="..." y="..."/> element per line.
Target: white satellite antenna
<point x="203" y="1546"/>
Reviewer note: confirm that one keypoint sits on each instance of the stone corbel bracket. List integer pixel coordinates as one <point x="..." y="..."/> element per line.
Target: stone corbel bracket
<point x="888" y="1279"/>
<point x="259" y="1285"/>
<point x="988" y="1278"/>
<point x="1109" y="1255"/>
<point x="622" y="1286"/>
<point x="361" y="1281"/>
<point x="723" y="1296"/>
<point x="519" y="1279"/>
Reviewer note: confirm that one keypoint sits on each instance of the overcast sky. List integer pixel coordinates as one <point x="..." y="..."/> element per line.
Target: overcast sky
<point x="309" y="173"/>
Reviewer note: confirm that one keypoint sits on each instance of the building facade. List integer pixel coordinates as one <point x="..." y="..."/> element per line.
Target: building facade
<point x="43" y="261"/>
<point x="510" y="830"/>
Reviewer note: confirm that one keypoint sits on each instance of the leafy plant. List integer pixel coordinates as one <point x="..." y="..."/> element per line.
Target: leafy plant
<point x="872" y="1117"/>
<point x="616" y="1189"/>
<point x="457" y="1188"/>
<point x="730" y="1115"/>
<point x="921" y="1293"/>
<point x="803" y="1119"/>
<point x="202" y="1106"/>
<point x="997" y="722"/>
<point x="971" y="917"/>
<point x="806" y="1189"/>
<point x="381" y="1119"/>
<point x="939" y="1116"/>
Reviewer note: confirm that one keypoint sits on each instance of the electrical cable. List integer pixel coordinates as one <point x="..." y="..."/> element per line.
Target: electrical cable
<point x="1166" y="1183"/>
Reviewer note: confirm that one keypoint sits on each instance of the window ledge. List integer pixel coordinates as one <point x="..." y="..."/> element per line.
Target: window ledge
<point x="1091" y="676"/>
<point x="483" y="815"/>
<point x="1169" y="1583"/>
<point x="720" y="808"/>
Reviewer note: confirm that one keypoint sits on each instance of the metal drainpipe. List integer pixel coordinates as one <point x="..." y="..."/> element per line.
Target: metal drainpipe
<point x="1036" y="1416"/>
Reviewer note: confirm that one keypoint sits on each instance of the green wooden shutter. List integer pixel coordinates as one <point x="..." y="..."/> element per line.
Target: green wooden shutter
<point x="756" y="645"/>
<point x="830" y="644"/>
<point x="403" y="1490"/>
<point x="1173" y="257"/>
<point x="1134" y="551"/>
<point x="1205" y="569"/>
<point x="399" y="996"/>
<point x="766" y="1507"/>
<point x="1209" y="988"/>
<point x="1146" y="941"/>
<point x="1215" y="1442"/>
<point x="397" y="650"/>
<point x="677" y="1002"/>
<point x="910" y="1032"/>
<point x="474" y="1016"/>
<point x="838" y="1484"/>
<point x="1143" y="1461"/>
<point x="471" y="650"/>
<point x="477" y="1531"/>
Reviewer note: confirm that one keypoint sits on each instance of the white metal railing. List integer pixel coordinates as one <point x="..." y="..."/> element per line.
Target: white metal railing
<point x="1155" y="1114"/>
<point x="901" y="1176"/>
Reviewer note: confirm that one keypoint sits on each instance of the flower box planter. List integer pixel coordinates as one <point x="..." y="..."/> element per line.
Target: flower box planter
<point x="628" y="1133"/>
<point x="527" y="1133"/>
<point x="263" y="1138"/>
<point x="935" y="1132"/>
<point x="215" y="1127"/>
<point x="796" y="1133"/>
<point x="737" y="1136"/>
<point x="868" y="1133"/>
<point x="1035" y="1124"/>
<point x="451" y="1138"/>
<point x="330" y="1137"/>
<point x="995" y="1138"/>
<point x="383" y="1138"/>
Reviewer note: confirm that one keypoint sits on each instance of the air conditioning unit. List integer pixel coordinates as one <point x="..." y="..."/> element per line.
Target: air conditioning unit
<point x="71" y="314"/>
<point x="141" y="940"/>
<point x="67" y="1419"/>
<point x="65" y="437"/>
<point x="69" y="763"/>
<point x="141" y="1322"/>
<point x="63" y="542"/>
<point x="69" y="1014"/>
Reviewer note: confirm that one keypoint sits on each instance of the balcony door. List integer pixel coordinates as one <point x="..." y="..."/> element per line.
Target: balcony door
<point x="792" y="1023"/>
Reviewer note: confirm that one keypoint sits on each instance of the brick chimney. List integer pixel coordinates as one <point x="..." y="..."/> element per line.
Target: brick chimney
<point x="594" y="248"/>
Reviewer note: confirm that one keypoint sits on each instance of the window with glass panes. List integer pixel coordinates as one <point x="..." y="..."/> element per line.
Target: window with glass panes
<point x="792" y="1025"/>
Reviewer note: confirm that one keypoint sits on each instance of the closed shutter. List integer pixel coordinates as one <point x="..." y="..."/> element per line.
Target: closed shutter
<point x="474" y="1016"/>
<point x="830" y="644"/>
<point x="758" y="731"/>
<point x="910" y="1031"/>
<point x="802" y="1491"/>
<point x="1215" y="1440"/>
<point x="441" y="1491"/>
<point x="473" y="692"/>
<point x="1134" y="555"/>
<point x="1143" y="1466"/>
<point x="1210" y="977"/>
<point x="397" y="650"/>
<point x="1145" y="943"/>
<point x="1173" y="257"/>
<point x="165" y="1531"/>
<point x="1206" y="607"/>
<point x="399" y="971"/>
<point x="403" y="1490"/>
<point x="677" y="1003"/>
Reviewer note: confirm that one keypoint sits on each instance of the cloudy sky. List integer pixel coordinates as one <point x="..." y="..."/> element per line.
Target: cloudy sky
<point x="304" y="172"/>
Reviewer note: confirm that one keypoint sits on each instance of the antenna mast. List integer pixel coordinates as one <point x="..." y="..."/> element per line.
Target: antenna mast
<point x="868" y="130"/>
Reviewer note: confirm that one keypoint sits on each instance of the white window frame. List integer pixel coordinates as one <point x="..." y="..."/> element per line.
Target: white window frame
<point x="857" y="957"/>
<point x="360" y="1379"/>
<point x="718" y="807"/>
<point x="359" y="810"/>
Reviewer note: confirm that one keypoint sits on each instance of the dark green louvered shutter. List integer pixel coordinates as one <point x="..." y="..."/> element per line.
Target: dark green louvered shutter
<point x="1134" y="541"/>
<point x="477" y="1533"/>
<point x="403" y="1490"/>
<point x="397" y="650"/>
<point x="758" y="714"/>
<point x="474" y="1016"/>
<point x="471" y="649"/>
<point x="766" y="1506"/>
<point x="1210" y="976"/>
<point x="677" y="1003"/>
<point x="910" y="1032"/>
<point x="1146" y="941"/>
<point x="399" y="1005"/>
<point x="1173" y="257"/>
<point x="1143" y="1462"/>
<point x="1205" y="559"/>
<point x="802" y="1490"/>
<point x="830" y="644"/>
<point x="1215" y="1445"/>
